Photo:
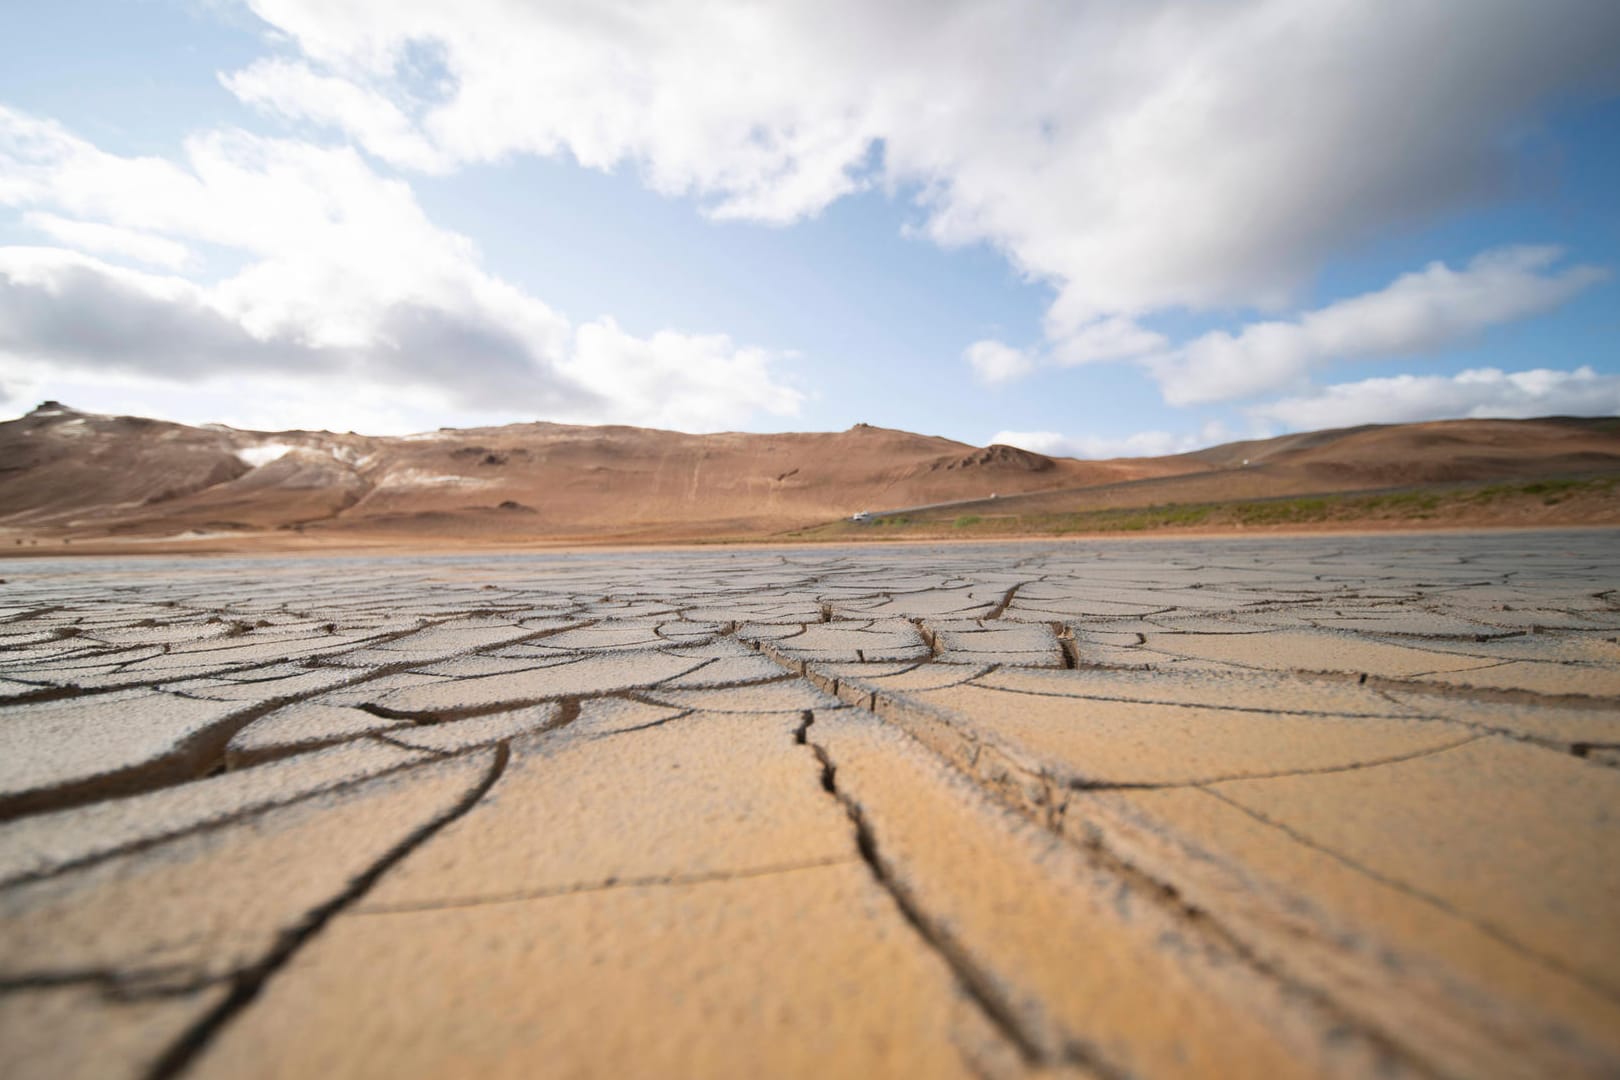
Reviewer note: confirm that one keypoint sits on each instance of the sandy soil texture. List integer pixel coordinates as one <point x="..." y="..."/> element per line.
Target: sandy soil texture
<point x="1330" y="806"/>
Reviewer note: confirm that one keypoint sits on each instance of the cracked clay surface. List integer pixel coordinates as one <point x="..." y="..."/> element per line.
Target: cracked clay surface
<point x="1282" y="807"/>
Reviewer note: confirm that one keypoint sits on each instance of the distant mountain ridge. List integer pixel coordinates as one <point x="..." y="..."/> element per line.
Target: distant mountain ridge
<point x="64" y="472"/>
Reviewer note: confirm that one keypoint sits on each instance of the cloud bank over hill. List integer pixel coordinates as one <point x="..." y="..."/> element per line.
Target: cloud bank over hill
<point x="341" y="277"/>
<point x="1484" y="393"/>
<point x="1141" y="444"/>
<point x="1417" y="313"/>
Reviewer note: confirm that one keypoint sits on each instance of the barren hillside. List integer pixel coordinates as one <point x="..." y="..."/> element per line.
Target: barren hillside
<point x="90" y="476"/>
<point x="67" y="475"/>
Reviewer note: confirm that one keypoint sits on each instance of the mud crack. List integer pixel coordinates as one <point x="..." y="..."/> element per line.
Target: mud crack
<point x="976" y="984"/>
<point x="248" y="984"/>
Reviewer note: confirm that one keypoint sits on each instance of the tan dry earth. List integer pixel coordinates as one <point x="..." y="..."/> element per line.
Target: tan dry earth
<point x="1255" y="808"/>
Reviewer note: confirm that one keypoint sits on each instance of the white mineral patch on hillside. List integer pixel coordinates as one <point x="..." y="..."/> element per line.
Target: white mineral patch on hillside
<point x="263" y="454"/>
<point x="421" y="478"/>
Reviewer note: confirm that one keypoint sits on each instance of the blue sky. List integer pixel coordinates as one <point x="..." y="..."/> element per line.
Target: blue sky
<point x="1085" y="228"/>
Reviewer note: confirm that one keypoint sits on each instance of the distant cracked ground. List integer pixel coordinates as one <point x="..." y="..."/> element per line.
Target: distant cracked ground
<point x="1260" y="808"/>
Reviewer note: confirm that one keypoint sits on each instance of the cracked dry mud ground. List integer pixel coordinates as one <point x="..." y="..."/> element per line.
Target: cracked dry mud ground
<point x="1337" y="806"/>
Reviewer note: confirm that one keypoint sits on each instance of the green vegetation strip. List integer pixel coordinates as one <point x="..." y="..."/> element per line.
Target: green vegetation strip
<point x="1427" y="504"/>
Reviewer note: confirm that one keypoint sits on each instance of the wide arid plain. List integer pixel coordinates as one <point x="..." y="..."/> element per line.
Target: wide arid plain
<point x="1342" y="805"/>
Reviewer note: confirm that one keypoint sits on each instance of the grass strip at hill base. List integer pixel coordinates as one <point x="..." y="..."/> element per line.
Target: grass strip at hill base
<point x="1549" y="501"/>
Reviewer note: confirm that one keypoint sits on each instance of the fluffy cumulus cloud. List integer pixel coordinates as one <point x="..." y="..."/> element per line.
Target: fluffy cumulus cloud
<point x="1417" y="313"/>
<point x="343" y="280"/>
<point x="1139" y="444"/>
<point x="995" y="362"/>
<point x="1485" y="392"/>
<point x="1137" y="157"/>
<point x="1112" y="338"/>
<point x="704" y="381"/>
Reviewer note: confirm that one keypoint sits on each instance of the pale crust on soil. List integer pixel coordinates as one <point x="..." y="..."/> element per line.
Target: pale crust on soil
<point x="1280" y="806"/>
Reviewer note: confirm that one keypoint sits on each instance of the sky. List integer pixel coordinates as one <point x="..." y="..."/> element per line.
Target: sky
<point x="1082" y="227"/>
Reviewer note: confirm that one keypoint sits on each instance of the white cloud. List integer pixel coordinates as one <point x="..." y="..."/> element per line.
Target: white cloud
<point x="1140" y="444"/>
<point x="112" y="240"/>
<point x="297" y="92"/>
<point x="994" y="362"/>
<point x="1480" y="393"/>
<point x="1111" y="337"/>
<point x="251" y="399"/>
<point x="1138" y="157"/>
<point x="673" y="379"/>
<point x="1417" y="313"/>
<point x="347" y="281"/>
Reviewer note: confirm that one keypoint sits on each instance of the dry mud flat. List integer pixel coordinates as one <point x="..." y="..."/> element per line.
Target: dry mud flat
<point x="1340" y="806"/>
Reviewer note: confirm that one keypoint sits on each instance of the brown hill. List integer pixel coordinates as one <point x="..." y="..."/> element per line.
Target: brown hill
<point x="1368" y="458"/>
<point x="71" y="473"/>
<point x="66" y="474"/>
